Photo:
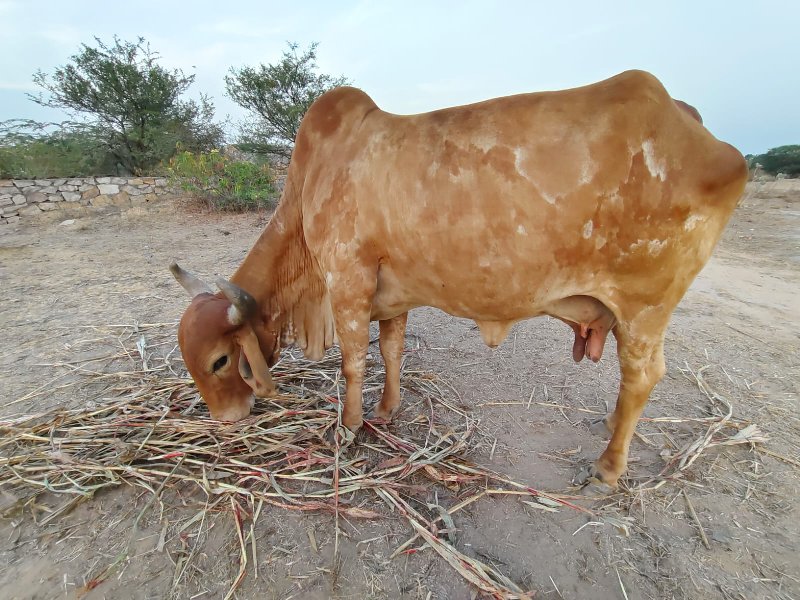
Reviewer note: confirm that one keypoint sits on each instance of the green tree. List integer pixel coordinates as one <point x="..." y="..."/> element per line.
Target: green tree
<point x="131" y="103"/>
<point x="783" y="159"/>
<point x="278" y="95"/>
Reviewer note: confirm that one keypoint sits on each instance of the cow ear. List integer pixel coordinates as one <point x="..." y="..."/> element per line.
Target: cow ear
<point x="190" y="283"/>
<point x="243" y="305"/>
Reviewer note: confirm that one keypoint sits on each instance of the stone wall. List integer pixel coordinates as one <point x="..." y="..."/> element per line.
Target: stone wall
<point x="26" y="199"/>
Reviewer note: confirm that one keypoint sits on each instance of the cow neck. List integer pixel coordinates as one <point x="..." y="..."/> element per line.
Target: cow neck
<point x="278" y="271"/>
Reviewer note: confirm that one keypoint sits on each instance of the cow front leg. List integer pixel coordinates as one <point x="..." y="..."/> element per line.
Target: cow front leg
<point x="351" y="314"/>
<point x="392" y="343"/>
<point x="641" y="368"/>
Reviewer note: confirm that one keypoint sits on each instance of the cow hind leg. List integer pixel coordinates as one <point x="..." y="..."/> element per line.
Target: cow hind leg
<point x="392" y="342"/>
<point x="641" y="368"/>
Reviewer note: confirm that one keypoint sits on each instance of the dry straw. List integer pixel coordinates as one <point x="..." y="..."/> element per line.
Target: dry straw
<point x="147" y="427"/>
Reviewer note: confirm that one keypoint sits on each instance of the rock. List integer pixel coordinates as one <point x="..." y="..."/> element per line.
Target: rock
<point x="161" y="181"/>
<point x="21" y="183"/>
<point x="68" y="222"/>
<point x="91" y="192"/>
<point x="67" y="188"/>
<point x="135" y="181"/>
<point x="101" y="200"/>
<point x="44" y="182"/>
<point x="71" y="196"/>
<point x="9" y="210"/>
<point x="119" y="180"/>
<point x="18" y="199"/>
<point x="75" y="182"/>
<point x="106" y="188"/>
<point x="11" y="219"/>
<point x="50" y="189"/>
<point x="133" y="191"/>
<point x="6" y="183"/>
<point x="35" y="197"/>
<point x="6" y="201"/>
<point x="122" y="199"/>
<point x="58" y="182"/>
<point x="103" y="180"/>
<point x="48" y="206"/>
<point x="30" y="210"/>
<point x="55" y="198"/>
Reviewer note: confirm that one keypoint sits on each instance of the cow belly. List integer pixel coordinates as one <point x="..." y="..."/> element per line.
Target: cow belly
<point x="589" y="317"/>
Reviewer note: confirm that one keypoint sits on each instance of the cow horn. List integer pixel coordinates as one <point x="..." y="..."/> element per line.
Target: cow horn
<point x="243" y="305"/>
<point x="191" y="283"/>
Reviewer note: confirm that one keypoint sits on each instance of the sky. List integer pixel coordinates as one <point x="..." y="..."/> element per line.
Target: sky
<point x="737" y="62"/>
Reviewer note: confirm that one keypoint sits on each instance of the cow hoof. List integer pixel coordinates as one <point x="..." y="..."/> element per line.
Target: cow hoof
<point x="353" y="424"/>
<point x="591" y="481"/>
<point x="379" y="412"/>
<point x="599" y="427"/>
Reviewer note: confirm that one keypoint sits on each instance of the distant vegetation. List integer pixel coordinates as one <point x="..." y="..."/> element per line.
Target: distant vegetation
<point x="783" y="159"/>
<point x="130" y="116"/>
<point x="277" y="96"/>
<point x="222" y="182"/>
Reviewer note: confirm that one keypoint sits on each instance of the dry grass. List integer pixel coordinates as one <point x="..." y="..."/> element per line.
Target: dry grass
<point x="143" y="424"/>
<point x="146" y="427"/>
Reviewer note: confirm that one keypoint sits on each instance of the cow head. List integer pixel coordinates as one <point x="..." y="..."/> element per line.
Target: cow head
<point x="223" y="339"/>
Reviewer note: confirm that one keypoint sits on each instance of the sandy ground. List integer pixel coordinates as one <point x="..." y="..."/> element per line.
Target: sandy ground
<point x="739" y="320"/>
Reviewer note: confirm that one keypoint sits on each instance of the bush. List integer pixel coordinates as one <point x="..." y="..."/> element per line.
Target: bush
<point x="783" y="159"/>
<point x="31" y="150"/>
<point x="223" y="183"/>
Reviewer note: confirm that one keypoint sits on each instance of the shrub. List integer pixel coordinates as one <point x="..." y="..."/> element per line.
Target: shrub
<point x="30" y="150"/>
<point x="223" y="183"/>
<point x="783" y="159"/>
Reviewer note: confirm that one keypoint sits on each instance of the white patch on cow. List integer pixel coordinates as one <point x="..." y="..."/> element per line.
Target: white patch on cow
<point x="587" y="229"/>
<point x="329" y="278"/>
<point x="484" y="262"/>
<point x="655" y="247"/>
<point x="521" y="230"/>
<point x="692" y="221"/>
<point x="636" y="245"/>
<point x="341" y="249"/>
<point x="614" y="198"/>
<point x="588" y="171"/>
<point x="352" y="325"/>
<point x="599" y="241"/>
<point x="657" y="168"/>
<point x="484" y="142"/>
<point x="519" y="154"/>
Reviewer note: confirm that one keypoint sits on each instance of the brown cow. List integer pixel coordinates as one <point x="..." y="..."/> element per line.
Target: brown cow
<point x="596" y="205"/>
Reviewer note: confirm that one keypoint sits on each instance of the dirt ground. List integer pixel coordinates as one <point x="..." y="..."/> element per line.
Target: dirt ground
<point x="739" y="321"/>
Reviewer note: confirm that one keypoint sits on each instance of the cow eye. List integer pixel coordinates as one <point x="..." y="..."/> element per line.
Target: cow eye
<point x="220" y="362"/>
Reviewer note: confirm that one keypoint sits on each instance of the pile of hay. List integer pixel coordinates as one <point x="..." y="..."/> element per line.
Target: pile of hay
<point x="146" y="426"/>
